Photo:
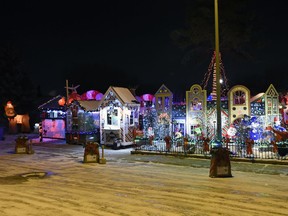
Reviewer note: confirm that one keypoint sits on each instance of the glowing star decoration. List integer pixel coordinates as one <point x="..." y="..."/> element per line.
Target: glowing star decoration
<point x="231" y="131"/>
<point x="9" y="110"/>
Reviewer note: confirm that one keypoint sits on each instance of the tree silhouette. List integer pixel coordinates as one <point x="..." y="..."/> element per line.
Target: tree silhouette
<point x="236" y="25"/>
<point x="15" y="85"/>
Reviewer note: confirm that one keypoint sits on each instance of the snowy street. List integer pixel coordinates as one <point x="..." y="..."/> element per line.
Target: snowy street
<point x="132" y="185"/>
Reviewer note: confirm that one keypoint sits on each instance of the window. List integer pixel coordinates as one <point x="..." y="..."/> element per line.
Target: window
<point x="160" y="102"/>
<point x="239" y="97"/>
<point x="112" y="118"/>
<point x="167" y="101"/>
<point x="272" y="108"/>
<point x="131" y="122"/>
<point x="196" y="104"/>
<point x="109" y="119"/>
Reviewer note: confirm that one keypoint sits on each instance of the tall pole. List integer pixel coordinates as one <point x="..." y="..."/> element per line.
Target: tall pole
<point x="67" y="93"/>
<point x="218" y="86"/>
<point x="220" y="156"/>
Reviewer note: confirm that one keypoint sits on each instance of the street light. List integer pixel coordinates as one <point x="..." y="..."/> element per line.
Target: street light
<point x="220" y="162"/>
<point x="218" y="84"/>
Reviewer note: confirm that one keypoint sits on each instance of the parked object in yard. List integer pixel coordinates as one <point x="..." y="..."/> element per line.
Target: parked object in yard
<point x="117" y="143"/>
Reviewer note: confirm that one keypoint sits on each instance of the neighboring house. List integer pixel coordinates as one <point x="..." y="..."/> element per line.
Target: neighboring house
<point x="52" y="117"/>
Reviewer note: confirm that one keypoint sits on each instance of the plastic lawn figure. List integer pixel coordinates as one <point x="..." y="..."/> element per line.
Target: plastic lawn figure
<point x="249" y="144"/>
<point x="167" y="139"/>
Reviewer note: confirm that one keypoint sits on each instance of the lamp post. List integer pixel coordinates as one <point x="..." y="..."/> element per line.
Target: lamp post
<point x="220" y="162"/>
<point x="218" y="84"/>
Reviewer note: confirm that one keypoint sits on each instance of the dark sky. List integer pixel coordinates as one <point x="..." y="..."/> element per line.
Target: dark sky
<point x="96" y="44"/>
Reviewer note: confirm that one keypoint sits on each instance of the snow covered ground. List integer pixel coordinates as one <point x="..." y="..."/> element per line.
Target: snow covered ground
<point x="130" y="185"/>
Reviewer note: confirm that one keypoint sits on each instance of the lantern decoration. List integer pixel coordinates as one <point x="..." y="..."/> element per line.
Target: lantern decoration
<point x="147" y="97"/>
<point x="99" y="96"/>
<point x="83" y="96"/>
<point x="91" y="95"/>
<point x="62" y="101"/>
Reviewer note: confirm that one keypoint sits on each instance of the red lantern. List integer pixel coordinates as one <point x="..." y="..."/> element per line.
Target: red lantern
<point x="62" y="101"/>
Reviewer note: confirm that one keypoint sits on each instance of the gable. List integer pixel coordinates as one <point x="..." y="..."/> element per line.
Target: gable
<point x="120" y="95"/>
<point x="163" y="90"/>
<point x="271" y="91"/>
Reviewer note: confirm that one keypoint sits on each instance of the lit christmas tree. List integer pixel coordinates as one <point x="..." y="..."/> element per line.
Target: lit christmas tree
<point x="212" y="70"/>
<point x="149" y="121"/>
<point x="163" y="126"/>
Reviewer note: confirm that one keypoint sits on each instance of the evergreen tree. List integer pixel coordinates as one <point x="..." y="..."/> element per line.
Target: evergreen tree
<point x="149" y="121"/>
<point x="15" y="85"/>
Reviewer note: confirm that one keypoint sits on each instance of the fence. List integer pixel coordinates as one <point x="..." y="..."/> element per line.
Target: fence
<point x="239" y="150"/>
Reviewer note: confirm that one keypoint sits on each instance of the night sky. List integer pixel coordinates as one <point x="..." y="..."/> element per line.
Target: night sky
<point x="96" y="44"/>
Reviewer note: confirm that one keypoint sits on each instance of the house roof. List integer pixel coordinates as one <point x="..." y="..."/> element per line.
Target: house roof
<point x="91" y="105"/>
<point x="124" y="95"/>
<point x="163" y="90"/>
<point x="256" y="97"/>
<point x="52" y="104"/>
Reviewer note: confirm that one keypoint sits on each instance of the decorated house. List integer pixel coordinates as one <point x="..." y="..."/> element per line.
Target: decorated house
<point x="83" y="121"/>
<point x="197" y="116"/>
<point x="196" y="111"/>
<point x="163" y="106"/>
<point x="53" y="118"/>
<point x="119" y="116"/>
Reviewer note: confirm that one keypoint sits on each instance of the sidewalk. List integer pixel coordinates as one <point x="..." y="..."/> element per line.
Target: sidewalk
<point x="235" y="159"/>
